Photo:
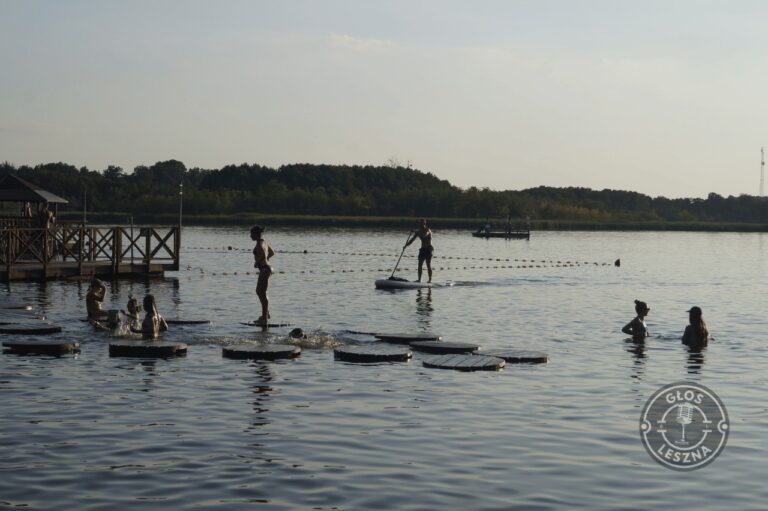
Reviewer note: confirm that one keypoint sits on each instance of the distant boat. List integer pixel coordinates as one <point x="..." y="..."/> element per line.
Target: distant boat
<point x="514" y="234"/>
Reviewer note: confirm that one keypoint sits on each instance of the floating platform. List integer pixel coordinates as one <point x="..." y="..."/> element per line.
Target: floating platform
<point x="514" y="234"/>
<point x="188" y="321"/>
<point x="41" y="347"/>
<point x="519" y="356"/>
<point x="407" y="338"/>
<point x="374" y="352"/>
<point x="147" y="349"/>
<point x="407" y="284"/>
<point x="444" y="347"/>
<point x="41" y="328"/>
<point x="261" y="352"/>
<point x="465" y="362"/>
<point x="268" y="325"/>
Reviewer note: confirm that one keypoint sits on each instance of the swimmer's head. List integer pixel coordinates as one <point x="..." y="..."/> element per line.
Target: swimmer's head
<point x="133" y="305"/>
<point x="149" y="303"/>
<point x="96" y="283"/>
<point x="297" y="333"/>
<point x="641" y="307"/>
<point x="694" y="312"/>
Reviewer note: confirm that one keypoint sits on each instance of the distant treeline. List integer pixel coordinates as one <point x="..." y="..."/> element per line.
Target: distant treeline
<point x="340" y="190"/>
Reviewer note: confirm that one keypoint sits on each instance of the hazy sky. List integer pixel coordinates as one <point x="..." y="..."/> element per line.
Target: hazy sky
<point x="666" y="98"/>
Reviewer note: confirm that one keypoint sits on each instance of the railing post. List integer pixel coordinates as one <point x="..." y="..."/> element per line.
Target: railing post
<point x="9" y="253"/>
<point x="177" y="248"/>
<point x="147" y="247"/>
<point x="80" y="247"/>
<point x="116" y="249"/>
<point x="45" y="253"/>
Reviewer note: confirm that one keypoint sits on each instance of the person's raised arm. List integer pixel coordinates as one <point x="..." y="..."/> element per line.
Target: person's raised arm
<point x="270" y="252"/>
<point x="413" y="237"/>
<point x="628" y="328"/>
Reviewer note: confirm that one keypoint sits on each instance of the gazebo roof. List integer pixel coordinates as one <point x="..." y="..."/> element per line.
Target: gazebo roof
<point x="15" y="189"/>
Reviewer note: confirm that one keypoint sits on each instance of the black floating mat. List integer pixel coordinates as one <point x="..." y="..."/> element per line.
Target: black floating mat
<point x="146" y="349"/>
<point x="30" y="329"/>
<point x="261" y="352"/>
<point x="42" y="347"/>
<point x="444" y="347"/>
<point x="407" y="338"/>
<point x="18" y="320"/>
<point x="373" y="352"/>
<point x="187" y="321"/>
<point x="463" y="362"/>
<point x="519" y="356"/>
<point x="270" y="325"/>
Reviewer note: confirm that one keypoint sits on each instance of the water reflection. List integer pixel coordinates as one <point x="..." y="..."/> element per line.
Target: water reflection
<point x="637" y="349"/>
<point x="695" y="358"/>
<point x="424" y="307"/>
<point x="261" y="395"/>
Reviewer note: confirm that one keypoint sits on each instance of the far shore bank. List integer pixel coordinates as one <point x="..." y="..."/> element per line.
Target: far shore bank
<point x="471" y="224"/>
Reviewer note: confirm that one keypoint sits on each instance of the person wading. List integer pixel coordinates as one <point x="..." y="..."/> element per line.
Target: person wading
<point x="425" y="252"/>
<point x="262" y="252"/>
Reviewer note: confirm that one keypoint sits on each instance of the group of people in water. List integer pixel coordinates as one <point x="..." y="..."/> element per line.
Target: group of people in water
<point x="696" y="333"/>
<point x="111" y="320"/>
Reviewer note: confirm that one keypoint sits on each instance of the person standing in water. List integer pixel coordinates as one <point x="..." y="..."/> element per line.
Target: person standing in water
<point x="262" y="252"/>
<point x="153" y="322"/>
<point x="425" y="252"/>
<point x="696" y="333"/>
<point x="94" y="298"/>
<point x="636" y="328"/>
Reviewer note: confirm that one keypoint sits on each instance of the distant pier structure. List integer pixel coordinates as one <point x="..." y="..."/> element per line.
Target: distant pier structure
<point x="34" y="245"/>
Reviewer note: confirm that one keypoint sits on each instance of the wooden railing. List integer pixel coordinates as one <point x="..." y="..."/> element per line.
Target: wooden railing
<point x="82" y="244"/>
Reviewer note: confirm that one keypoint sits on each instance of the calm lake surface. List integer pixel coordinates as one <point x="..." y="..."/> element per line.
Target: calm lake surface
<point x="90" y="432"/>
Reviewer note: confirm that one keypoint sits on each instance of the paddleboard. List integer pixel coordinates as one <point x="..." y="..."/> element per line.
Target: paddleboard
<point x="407" y="284"/>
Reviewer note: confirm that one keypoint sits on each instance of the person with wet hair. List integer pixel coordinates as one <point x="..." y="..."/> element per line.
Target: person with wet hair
<point x="262" y="252"/>
<point x="637" y="328"/>
<point x="153" y="322"/>
<point x="133" y="312"/>
<point x="696" y="333"/>
<point x="94" y="298"/>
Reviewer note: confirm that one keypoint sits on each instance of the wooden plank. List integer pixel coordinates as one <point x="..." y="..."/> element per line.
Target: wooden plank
<point x="261" y="352"/>
<point x="464" y="362"/>
<point x="519" y="356"/>
<point x="408" y="338"/>
<point x="147" y="349"/>
<point x="444" y="347"/>
<point x="372" y="352"/>
<point x="30" y="329"/>
<point x="41" y="347"/>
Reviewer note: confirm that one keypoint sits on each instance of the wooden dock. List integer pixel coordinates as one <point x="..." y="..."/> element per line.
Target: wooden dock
<point x="73" y="249"/>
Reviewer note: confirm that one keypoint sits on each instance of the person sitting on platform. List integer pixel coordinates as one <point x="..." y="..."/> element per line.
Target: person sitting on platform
<point x="636" y="328"/>
<point x="696" y="333"/>
<point x="153" y="322"/>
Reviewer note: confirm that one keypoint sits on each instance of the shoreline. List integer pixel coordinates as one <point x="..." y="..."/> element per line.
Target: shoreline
<point x="471" y="224"/>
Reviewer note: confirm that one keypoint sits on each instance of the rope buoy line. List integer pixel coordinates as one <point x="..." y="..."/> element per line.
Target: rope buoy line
<point x="372" y="254"/>
<point x="202" y="271"/>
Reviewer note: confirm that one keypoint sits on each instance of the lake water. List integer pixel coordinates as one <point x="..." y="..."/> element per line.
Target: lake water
<point x="90" y="432"/>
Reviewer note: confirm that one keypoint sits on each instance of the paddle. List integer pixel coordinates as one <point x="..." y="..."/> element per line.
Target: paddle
<point x="392" y="277"/>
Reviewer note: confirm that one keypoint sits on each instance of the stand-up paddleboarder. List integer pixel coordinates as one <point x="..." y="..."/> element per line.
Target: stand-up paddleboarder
<point x="425" y="252"/>
<point x="262" y="252"/>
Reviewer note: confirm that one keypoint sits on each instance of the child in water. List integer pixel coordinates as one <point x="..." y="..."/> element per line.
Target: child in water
<point x="696" y="333"/>
<point x="93" y="300"/>
<point x="153" y="322"/>
<point x="636" y="328"/>
<point x="133" y="312"/>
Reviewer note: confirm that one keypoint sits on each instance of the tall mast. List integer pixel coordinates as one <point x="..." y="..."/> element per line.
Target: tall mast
<point x="762" y="170"/>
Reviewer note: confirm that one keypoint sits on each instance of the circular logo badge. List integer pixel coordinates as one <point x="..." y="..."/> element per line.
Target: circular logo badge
<point x="684" y="426"/>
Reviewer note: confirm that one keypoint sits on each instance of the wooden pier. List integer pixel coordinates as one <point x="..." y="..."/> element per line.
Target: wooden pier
<point x="71" y="249"/>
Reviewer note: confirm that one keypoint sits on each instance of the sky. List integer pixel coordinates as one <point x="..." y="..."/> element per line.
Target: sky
<point x="661" y="97"/>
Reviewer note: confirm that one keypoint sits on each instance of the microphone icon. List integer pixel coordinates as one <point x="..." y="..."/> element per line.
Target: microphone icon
<point x="684" y="417"/>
